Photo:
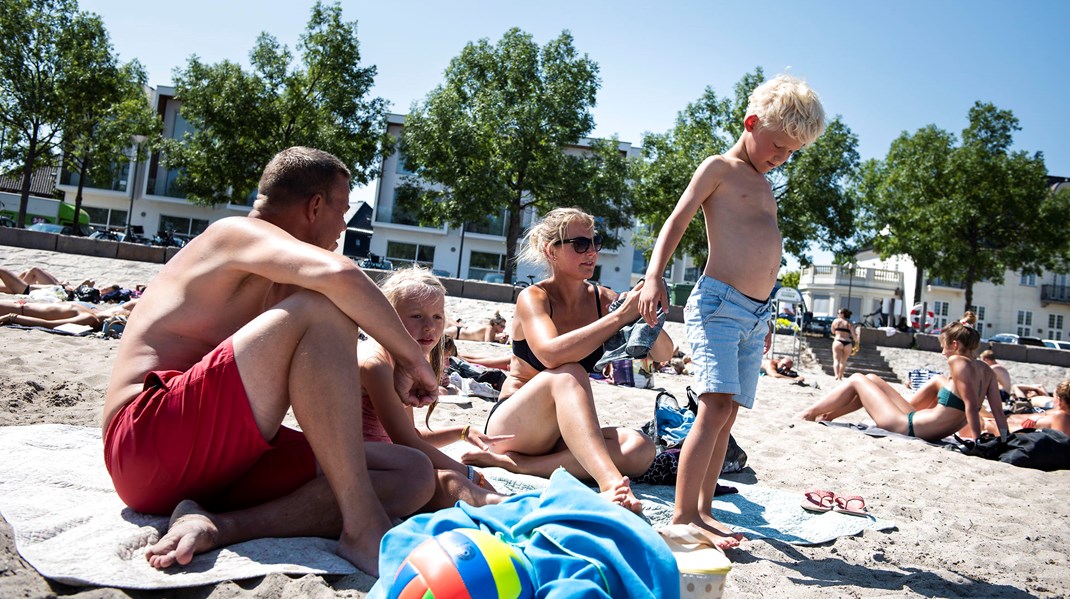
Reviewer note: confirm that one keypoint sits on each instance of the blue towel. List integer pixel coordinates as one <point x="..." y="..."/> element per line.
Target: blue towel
<point x="577" y="543"/>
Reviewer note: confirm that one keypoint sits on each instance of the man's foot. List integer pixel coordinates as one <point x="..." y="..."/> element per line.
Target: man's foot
<point x="362" y="551"/>
<point x="621" y="494"/>
<point x="191" y="531"/>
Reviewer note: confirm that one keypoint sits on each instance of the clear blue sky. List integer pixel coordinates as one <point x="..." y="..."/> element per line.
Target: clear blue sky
<point x="885" y="67"/>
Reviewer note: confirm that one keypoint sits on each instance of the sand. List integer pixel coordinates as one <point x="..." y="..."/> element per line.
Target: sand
<point x="966" y="527"/>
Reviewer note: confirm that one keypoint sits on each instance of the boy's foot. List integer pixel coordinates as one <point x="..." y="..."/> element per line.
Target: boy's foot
<point x="716" y="527"/>
<point x="191" y="531"/>
<point x="693" y="534"/>
<point x="621" y="494"/>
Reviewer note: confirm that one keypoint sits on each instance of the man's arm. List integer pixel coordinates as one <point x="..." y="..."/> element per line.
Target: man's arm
<point x="703" y="183"/>
<point x="262" y="249"/>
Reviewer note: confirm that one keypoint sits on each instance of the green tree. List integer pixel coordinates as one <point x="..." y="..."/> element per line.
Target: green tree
<point x="813" y="189"/>
<point x="240" y="118"/>
<point x="105" y="115"/>
<point x="501" y="134"/>
<point x="965" y="211"/>
<point x="50" y="55"/>
<point x="791" y="278"/>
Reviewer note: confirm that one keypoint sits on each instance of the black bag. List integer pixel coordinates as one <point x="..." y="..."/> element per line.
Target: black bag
<point x="85" y="293"/>
<point x="1041" y="449"/>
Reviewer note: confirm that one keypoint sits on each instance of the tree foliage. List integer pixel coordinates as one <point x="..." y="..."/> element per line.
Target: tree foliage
<point x="813" y="189"/>
<point x="52" y="59"/>
<point x="501" y="134"/>
<point x="240" y="119"/>
<point x="965" y="211"/>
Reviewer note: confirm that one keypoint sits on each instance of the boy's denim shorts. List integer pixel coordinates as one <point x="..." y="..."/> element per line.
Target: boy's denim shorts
<point x="727" y="332"/>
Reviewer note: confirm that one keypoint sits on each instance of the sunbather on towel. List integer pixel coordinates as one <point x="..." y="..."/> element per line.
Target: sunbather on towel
<point x="1057" y="418"/>
<point x="493" y="331"/>
<point x="52" y="315"/>
<point x="782" y="368"/>
<point x="254" y="316"/>
<point x="26" y="281"/>
<point x="958" y="403"/>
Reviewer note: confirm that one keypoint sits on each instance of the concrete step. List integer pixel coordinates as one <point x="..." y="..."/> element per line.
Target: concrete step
<point x="868" y="360"/>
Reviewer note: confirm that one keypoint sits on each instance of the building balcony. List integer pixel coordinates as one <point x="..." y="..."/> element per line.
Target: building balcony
<point x="862" y="277"/>
<point x="1058" y="294"/>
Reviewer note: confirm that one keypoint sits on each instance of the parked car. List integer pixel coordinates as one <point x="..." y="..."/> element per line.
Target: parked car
<point x="494" y="277"/>
<point x="51" y="228"/>
<point x="108" y="235"/>
<point x="376" y="262"/>
<point x="438" y="272"/>
<point x="6" y="222"/>
<point x="1013" y="339"/>
<point x="1057" y="344"/>
<point x="822" y="325"/>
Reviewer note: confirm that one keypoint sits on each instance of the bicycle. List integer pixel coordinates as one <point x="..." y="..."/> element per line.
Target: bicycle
<point x="868" y="321"/>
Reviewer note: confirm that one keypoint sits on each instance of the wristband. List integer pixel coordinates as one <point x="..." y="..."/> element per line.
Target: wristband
<point x="471" y="474"/>
<point x="464" y="432"/>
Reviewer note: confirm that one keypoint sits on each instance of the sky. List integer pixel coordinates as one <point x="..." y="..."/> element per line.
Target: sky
<point x="884" y="67"/>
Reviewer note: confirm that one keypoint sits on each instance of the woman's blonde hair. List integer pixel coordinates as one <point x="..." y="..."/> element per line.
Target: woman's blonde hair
<point x="786" y="103"/>
<point x="962" y="331"/>
<point x="550" y="229"/>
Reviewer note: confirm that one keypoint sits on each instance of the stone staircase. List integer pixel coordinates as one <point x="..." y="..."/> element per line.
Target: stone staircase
<point x="868" y="360"/>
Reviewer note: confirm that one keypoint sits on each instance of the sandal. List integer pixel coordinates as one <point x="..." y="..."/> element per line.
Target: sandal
<point x="817" y="500"/>
<point x="844" y="505"/>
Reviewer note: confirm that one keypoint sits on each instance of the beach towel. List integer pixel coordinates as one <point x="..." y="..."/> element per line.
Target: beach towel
<point x="1041" y="449"/>
<point x="876" y="431"/>
<point x="71" y="526"/>
<point x="574" y="542"/>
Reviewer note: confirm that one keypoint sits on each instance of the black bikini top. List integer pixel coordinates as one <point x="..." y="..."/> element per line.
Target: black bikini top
<point x="522" y="350"/>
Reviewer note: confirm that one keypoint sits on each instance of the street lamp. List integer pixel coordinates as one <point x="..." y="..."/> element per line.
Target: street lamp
<point x="138" y="140"/>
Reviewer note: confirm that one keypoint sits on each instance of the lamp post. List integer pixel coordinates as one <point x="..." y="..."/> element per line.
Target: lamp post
<point x="138" y="140"/>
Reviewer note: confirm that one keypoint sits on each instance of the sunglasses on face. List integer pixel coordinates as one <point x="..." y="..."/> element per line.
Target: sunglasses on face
<point x="582" y="244"/>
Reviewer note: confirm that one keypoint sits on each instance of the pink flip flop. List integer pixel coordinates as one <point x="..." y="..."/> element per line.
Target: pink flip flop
<point x="854" y="505"/>
<point x="817" y="500"/>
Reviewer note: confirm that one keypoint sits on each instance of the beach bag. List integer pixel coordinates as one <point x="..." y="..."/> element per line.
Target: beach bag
<point x="113" y="327"/>
<point x="87" y="293"/>
<point x="1041" y="449"/>
<point x="669" y="428"/>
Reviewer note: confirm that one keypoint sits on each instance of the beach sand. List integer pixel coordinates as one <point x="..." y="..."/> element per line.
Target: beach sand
<point x="966" y="527"/>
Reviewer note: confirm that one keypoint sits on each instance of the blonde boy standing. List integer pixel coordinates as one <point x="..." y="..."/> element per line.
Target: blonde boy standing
<point x="728" y="313"/>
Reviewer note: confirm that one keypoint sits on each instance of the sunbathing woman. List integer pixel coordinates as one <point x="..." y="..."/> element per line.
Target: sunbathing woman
<point x="558" y="331"/>
<point x="843" y="341"/>
<point x="958" y="403"/>
<point x="419" y="299"/>
<point x="1057" y="418"/>
<point x="493" y="331"/>
<point x="26" y="281"/>
<point x="52" y="315"/>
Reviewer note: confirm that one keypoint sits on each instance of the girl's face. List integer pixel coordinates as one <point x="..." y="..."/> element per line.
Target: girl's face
<point x="949" y="348"/>
<point x="424" y="318"/>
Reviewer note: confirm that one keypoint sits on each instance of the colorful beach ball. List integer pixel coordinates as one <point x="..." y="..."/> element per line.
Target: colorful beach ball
<point x="462" y="564"/>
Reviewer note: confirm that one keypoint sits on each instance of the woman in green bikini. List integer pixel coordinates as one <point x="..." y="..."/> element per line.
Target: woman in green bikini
<point x="958" y="403"/>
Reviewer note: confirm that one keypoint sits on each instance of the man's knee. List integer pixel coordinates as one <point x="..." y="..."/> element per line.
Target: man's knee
<point x="316" y="309"/>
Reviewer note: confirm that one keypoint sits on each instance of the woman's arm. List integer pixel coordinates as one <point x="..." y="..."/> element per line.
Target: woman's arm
<point x="553" y="348"/>
<point x="377" y="378"/>
<point x="995" y="403"/>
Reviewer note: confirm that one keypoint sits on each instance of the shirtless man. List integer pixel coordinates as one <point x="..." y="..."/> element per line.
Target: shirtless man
<point x="255" y="316"/>
<point x="728" y="315"/>
<point x="781" y="368"/>
<point x="1003" y="376"/>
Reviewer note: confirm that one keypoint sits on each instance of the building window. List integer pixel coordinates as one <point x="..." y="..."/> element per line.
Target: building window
<point x="106" y="218"/>
<point x="822" y="304"/>
<point x="182" y="227"/>
<point x="980" y="312"/>
<point x="410" y="253"/>
<point x="1055" y="326"/>
<point x="597" y="276"/>
<point x="1028" y="280"/>
<point x="392" y="213"/>
<point x="403" y="166"/>
<point x="1025" y="323"/>
<point x="493" y="224"/>
<point x="639" y="261"/>
<point x="482" y="264"/>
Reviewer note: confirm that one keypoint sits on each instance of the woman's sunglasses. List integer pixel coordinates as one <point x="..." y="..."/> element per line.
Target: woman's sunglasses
<point x="582" y="244"/>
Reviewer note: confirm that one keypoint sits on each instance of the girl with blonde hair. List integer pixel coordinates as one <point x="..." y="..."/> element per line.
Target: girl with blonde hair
<point x="419" y="299"/>
<point x="558" y="330"/>
<point x="958" y="404"/>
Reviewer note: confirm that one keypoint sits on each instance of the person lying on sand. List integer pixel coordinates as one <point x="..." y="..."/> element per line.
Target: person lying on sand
<point x="52" y="315"/>
<point x="254" y="316"/>
<point x="26" y="281"/>
<point x="1057" y="418"/>
<point x="492" y="332"/>
<point x="781" y="368"/>
<point x="958" y="403"/>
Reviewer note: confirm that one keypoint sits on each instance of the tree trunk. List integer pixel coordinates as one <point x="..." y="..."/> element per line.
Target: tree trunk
<point x="78" y="197"/>
<point x="512" y="234"/>
<point x="27" y="177"/>
<point x="919" y="280"/>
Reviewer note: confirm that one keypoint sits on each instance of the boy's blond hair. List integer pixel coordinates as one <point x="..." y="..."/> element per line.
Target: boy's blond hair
<point x="547" y="231"/>
<point x="787" y="104"/>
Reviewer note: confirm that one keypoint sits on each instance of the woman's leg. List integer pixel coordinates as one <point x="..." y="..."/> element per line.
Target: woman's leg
<point x="630" y="450"/>
<point x="558" y="404"/>
<point x="836" y="369"/>
<point x="925" y="397"/>
<point x="841" y="400"/>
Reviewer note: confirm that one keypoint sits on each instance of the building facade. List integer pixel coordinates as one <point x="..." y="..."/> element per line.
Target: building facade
<point x="476" y="250"/>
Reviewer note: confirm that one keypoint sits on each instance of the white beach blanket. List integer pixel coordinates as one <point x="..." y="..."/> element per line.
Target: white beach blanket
<point x="71" y="526"/>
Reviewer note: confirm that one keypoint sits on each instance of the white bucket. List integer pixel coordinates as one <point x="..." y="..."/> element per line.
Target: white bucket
<point x="703" y="572"/>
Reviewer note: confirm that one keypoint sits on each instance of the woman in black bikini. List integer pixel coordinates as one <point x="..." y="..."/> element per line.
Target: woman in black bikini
<point x="843" y="341"/>
<point x="558" y="332"/>
<point x="958" y="404"/>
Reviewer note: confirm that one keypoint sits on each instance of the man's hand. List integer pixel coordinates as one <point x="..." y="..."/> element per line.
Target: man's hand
<point x="415" y="382"/>
<point x="651" y="295"/>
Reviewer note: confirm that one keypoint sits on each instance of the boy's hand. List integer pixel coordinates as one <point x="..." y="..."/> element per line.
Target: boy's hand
<point x="629" y="309"/>
<point x="652" y="295"/>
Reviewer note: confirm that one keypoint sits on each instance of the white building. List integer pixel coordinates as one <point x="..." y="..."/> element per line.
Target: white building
<point x="158" y="204"/>
<point x="1029" y="305"/>
<point x="476" y="251"/>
